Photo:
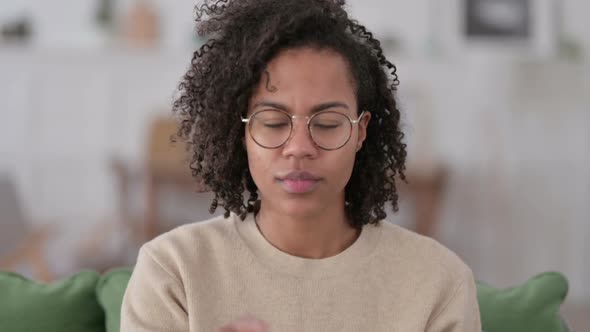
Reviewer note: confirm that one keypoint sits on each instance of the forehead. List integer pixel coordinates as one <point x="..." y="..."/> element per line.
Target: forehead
<point x="306" y="74"/>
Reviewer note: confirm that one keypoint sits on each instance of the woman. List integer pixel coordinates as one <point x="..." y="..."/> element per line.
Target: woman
<point x="293" y="102"/>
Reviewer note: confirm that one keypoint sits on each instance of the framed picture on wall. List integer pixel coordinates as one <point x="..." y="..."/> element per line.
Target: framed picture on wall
<point x="513" y="27"/>
<point x="500" y="19"/>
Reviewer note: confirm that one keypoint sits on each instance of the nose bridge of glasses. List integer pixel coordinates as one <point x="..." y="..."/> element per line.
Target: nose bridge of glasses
<point x="303" y="125"/>
<point x="303" y="118"/>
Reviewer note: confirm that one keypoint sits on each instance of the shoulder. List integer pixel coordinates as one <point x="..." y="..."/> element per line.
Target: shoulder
<point x="191" y="243"/>
<point x="421" y="271"/>
<point x="192" y="234"/>
<point x="422" y="258"/>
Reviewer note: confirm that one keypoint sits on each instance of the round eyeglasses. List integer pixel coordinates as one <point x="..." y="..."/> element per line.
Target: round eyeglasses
<point x="329" y="130"/>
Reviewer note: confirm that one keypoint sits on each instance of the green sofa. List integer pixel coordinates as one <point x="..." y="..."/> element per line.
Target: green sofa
<point x="90" y="302"/>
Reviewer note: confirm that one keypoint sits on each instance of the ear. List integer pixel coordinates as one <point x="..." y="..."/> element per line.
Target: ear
<point x="363" y="124"/>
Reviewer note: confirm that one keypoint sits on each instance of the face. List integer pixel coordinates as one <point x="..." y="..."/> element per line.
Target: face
<point x="299" y="178"/>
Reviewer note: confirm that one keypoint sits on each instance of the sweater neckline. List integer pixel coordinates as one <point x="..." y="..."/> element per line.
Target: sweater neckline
<point x="349" y="259"/>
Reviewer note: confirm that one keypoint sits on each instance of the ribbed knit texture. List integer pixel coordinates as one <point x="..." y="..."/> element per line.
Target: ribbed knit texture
<point x="201" y="276"/>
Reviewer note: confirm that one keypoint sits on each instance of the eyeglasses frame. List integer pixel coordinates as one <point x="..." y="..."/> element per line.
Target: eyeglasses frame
<point x="308" y="118"/>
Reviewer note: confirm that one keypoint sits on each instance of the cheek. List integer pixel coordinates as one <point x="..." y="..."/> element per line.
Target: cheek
<point x="252" y="153"/>
<point x="350" y="163"/>
<point x="259" y="162"/>
<point x="340" y="165"/>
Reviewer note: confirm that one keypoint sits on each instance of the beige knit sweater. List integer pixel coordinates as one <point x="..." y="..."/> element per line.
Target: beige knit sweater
<point x="204" y="275"/>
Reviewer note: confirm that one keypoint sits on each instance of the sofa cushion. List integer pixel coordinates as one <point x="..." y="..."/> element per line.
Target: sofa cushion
<point x="67" y="305"/>
<point x="532" y="306"/>
<point x="109" y="291"/>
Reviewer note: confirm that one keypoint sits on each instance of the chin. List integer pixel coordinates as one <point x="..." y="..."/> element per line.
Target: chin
<point x="302" y="206"/>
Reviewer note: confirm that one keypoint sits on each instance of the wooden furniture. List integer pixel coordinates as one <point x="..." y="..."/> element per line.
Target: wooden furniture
<point x="426" y="191"/>
<point x="20" y="243"/>
<point x="165" y="165"/>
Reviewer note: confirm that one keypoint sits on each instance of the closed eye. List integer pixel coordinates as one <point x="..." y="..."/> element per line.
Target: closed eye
<point x="325" y="126"/>
<point x="276" y="125"/>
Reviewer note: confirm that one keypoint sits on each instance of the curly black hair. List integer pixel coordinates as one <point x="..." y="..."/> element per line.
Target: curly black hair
<point x="243" y="36"/>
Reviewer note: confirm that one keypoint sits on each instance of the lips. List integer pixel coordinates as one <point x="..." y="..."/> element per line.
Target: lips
<point x="299" y="182"/>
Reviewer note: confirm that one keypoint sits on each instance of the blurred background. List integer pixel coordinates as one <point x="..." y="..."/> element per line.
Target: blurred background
<point x="495" y="97"/>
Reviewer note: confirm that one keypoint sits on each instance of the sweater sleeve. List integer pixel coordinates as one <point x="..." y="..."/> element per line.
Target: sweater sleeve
<point x="461" y="311"/>
<point x="154" y="300"/>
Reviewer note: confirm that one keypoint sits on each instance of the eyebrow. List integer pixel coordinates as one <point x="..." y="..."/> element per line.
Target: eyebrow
<point x="315" y="109"/>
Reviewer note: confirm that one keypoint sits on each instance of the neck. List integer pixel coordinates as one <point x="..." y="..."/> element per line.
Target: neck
<point x="322" y="235"/>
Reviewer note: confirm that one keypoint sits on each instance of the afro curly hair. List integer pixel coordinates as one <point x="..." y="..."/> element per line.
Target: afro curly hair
<point x="243" y="36"/>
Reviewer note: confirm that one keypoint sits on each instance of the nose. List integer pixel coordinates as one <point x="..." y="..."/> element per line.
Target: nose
<point x="300" y="145"/>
